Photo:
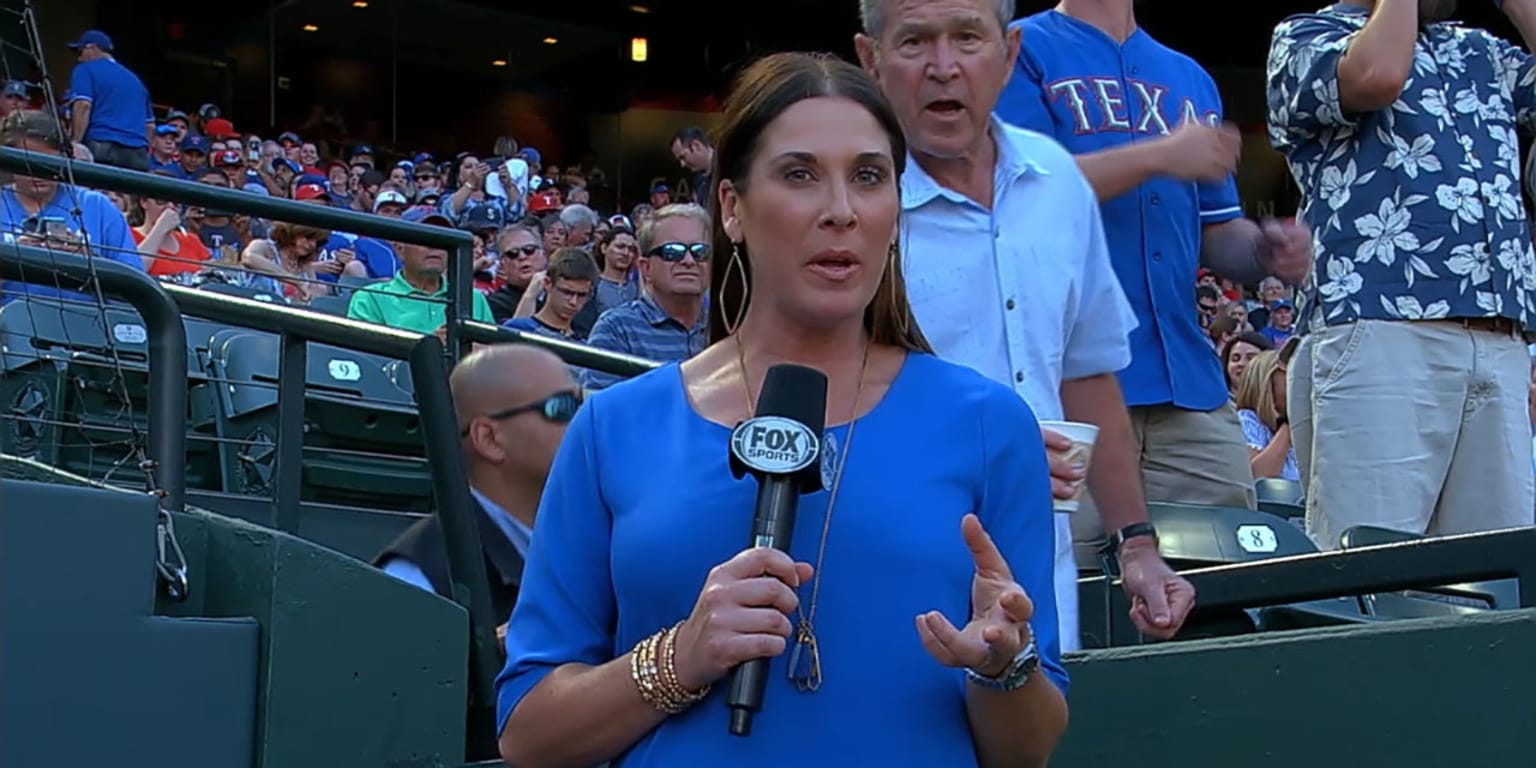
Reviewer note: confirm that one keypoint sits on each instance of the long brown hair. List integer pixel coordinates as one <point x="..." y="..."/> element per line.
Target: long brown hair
<point x="761" y="93"/>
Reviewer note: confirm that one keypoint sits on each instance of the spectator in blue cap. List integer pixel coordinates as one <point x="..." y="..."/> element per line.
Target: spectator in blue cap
<point x="14" y="98"/>
<point x="1282" y="321"/>
<point x="194" y="156"/>
<point x="110" y="112"/>
<point x="362" y="154"/>
<point x="162" y="150"/>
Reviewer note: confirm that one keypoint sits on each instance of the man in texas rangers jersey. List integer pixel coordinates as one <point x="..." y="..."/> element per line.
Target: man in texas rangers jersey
<point x="1145" y="125"/>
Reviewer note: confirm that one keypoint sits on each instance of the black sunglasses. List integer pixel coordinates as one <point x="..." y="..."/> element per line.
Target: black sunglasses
<point x="675" y="252"/>
<point x="526" y="250"/>
<point x="558" y="408"/>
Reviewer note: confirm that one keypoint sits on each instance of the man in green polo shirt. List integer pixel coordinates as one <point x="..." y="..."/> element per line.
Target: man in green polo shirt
<point x="415" y="299"/>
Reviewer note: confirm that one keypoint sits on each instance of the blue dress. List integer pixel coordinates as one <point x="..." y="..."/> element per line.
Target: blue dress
<point x="641" y="504"/>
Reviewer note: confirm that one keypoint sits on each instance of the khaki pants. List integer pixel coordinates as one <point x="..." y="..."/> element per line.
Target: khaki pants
<point x="1420" y="427"/>
<point x="1187" y="457"/>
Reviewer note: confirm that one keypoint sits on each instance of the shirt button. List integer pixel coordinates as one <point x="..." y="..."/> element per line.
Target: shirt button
<point x="1011" y="304"/>
<point x="1019" y="377"/>
<point x="1157" y="255"/>
<point x="1156" y="199"/>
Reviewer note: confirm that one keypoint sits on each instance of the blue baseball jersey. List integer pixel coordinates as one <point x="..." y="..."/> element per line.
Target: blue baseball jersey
<point x="1076" y="84"/>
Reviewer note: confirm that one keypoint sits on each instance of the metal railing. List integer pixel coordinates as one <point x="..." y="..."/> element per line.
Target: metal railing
<point x="161" y="306"/>
<point x="1418" y="564"/>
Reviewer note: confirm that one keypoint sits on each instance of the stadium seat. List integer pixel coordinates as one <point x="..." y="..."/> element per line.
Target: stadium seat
<point x="1276" y="489"/>
<point x="64" y="401"/>
<point x="1281" y="498"/>
<point x="1502" y="594"/>
<point x="362" y="439"/>
<point x="1192" y="536"/>
<point x="331" y="305"/>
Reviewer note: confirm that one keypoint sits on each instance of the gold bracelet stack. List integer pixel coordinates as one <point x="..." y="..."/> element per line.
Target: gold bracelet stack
<point x="653" y="665"/>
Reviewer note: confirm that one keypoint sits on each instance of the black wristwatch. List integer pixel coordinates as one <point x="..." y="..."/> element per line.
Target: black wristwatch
<point x="1132" y="531"/>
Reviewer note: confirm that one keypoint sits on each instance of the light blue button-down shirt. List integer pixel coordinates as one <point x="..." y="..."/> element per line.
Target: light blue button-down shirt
<point x="1024" y="292"/>
<point x="517" y="533"/>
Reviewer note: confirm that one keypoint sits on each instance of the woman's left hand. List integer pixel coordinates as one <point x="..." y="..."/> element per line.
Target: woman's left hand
<point x="1000" y="613"/>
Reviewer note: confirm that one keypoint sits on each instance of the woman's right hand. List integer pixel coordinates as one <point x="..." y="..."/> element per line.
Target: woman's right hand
<point x="741" y="614"/>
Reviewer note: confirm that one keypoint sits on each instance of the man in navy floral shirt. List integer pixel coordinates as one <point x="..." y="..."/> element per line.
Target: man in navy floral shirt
<point x="1400" y="130"/>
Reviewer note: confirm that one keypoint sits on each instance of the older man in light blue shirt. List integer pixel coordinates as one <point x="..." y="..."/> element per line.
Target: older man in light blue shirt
<point x="1008" y="270"/>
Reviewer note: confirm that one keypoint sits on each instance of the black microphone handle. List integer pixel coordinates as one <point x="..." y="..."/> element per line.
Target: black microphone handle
<point x="773" y="524"/>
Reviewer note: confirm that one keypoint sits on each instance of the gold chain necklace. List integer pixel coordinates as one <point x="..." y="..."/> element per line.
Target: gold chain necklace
<point x="805" y="657"/>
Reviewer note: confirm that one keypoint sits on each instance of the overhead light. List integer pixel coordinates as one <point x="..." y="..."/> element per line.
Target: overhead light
<point x="639" y="49"/>
<point x="499" y="63"/>
<point x="311" y="28"/>
<point x="639" y="9"/>
<point x="551" y="40"/>
<point x="359" y="3"/>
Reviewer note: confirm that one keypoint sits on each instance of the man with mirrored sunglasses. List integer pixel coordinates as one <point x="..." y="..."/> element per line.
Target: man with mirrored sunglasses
<point x="667" y="323"/>
<point x="513" y="403"/>
<point x="522" y="257"/>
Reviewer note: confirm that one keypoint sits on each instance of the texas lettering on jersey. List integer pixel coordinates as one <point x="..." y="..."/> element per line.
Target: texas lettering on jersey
<point x="1110" y="105"/>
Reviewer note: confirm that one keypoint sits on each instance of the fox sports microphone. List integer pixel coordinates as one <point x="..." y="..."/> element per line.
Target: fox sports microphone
<point x="779" y="445"/>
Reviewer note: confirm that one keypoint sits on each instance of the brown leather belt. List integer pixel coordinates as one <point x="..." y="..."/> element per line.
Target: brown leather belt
<point x="1500" y="325"/>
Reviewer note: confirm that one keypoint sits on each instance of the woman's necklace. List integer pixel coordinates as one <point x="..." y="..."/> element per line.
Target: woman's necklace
<point x="805" y="656"/>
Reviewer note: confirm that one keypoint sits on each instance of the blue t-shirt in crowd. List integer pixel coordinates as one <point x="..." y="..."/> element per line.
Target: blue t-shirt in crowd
<point x="376" y="255"/>
<point x="98" y="223"/>
<point x="622" y="547"/>
<point x="120" y="108"/>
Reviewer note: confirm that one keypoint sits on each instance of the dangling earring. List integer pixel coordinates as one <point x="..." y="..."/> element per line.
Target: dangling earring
<point x="740" y="269"/>
<point x="899" y="308"/>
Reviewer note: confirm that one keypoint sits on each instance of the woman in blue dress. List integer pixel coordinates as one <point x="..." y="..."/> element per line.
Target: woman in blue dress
<point x="913" y="620"/>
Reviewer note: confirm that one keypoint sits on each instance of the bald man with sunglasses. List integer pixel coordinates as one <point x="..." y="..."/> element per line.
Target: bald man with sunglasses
<point x="513" y="404"/>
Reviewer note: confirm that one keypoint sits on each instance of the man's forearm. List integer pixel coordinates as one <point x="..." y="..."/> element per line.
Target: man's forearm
<point x="79" y="118"/>
<point x="1235" y="250"/>
<point x="1114" y="172"/>
<point x="1114" y="474"/>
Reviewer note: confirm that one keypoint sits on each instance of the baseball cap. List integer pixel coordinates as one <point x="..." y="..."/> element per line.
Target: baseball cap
<point x="219" y="128"/>
<point x="422" y="157"/>
<point x="209" y="111"/>
<point x="285" y="162"/>
<point x="660" y="186"/>
<point x="311" y="191"/>
<point x="373" y="177"/>
<point x="1281" y="304"/>
<point x="176" y="114"/>
<point x="389" y="197"/>
<point x="194" y="143"/>
<point x="362" y="149"/>
<point x="166" y="129"/>
<point x="230" y="157"/>
<point x="423" y="214"/>
<point x="94" y="37"/>
<point x="531" y="155"/>
<point x="428" y="197"/>
<point x="621" y="221"/>
<point x="16" y="88"/>
<point x="310" y="178"/>
<point x="289" y="137"/>
<point x="483" y="217"/>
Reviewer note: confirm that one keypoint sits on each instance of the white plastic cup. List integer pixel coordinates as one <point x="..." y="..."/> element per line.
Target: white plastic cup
<point x="1083" y="437"/>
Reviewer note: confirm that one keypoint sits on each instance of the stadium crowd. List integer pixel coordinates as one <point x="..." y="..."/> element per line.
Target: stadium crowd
<point x="1372" y="349"/>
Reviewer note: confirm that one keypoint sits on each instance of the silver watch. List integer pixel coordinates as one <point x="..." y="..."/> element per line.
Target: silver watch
<point x="1014" y="676"/>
